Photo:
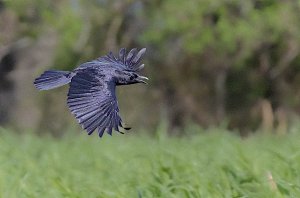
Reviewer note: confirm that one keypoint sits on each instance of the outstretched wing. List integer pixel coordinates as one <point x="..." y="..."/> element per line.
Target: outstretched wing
<point x="130" y="61"/>
<point x="93" y="102"/>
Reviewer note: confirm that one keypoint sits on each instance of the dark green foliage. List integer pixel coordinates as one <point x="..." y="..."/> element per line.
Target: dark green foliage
<point x="210" y="61"/>
<point x="245" y="48"/>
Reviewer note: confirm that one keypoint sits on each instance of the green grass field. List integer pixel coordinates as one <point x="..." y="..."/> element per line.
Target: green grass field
<point x="211" y="164"/>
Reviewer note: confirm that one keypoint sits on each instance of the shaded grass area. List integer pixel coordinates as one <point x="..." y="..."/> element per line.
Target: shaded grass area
<point x="212" y="164"/>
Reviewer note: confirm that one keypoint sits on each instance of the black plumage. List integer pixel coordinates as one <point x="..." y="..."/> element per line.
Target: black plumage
<point x="91" y="97"/>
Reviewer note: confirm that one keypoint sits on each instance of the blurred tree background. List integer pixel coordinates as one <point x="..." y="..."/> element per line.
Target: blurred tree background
<point x="226" y="63"/>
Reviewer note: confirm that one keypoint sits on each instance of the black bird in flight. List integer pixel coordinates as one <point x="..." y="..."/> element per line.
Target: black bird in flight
<point x="91" y="97"/>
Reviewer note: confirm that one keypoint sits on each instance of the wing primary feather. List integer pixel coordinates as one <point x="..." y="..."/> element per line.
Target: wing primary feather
<point x="138" y="57"/>
<point x="100" y="118"/>
<point x="100" y="114"/>
<point x="103" y="126"/>
<point x="111" y="122"/>
<point x="85" y="115"/>
<point x="100" y="131"/>
<point x="122" y="54"/>
<point x="130" y="55"/>
<point x="80" y="107"/>
<point x="92" y="124"/>
<point x="115" y="122"/>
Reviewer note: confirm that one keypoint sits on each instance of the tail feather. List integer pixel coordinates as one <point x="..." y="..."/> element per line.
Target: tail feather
<point x="52" y="79"/>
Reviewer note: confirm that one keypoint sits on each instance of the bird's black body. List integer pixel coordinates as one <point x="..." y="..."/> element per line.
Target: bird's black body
<point x="91" y="97"/>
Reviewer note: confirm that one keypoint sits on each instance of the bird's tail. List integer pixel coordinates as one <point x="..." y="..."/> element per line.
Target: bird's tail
<point x="51" y="79"/>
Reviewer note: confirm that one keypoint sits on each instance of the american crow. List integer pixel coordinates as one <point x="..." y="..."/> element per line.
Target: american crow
<point x="92" y="98"/>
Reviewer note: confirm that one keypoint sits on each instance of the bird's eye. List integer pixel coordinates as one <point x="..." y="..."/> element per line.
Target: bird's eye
<point x="132" y="77"/>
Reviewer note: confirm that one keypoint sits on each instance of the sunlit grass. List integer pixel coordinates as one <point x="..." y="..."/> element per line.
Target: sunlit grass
<point x="212" y="164"/>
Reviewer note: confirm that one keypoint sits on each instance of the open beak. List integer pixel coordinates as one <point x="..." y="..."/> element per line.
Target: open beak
<point x="141" y="79"/>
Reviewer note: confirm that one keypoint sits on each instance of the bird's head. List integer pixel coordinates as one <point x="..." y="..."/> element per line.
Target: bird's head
<point x="126" y="66"/>
<point x="129" y="77"/>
